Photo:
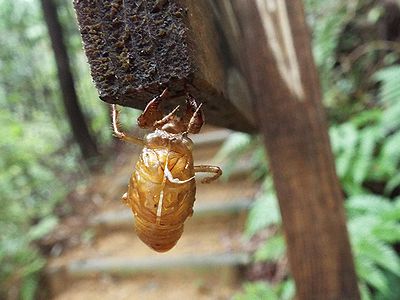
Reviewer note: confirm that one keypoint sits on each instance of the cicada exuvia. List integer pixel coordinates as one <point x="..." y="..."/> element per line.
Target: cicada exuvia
<point x="162" y="188"/>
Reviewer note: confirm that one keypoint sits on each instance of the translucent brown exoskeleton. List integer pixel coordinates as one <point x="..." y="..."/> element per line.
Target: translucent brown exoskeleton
<point x="162" y="188"/>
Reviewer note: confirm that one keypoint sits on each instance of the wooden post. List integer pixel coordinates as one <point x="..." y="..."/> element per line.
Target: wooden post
<point x="280" y="68"/>
<point x="212" y="47"/>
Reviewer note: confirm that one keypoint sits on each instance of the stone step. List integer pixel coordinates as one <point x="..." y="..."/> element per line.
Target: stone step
<point x="223" y="283"/>
<point x="126" y="266"/>
<point x="203" y="237"/>
<point x="211" y="137"/>
<point x="124" y="217"/>
<point x="214" y="245"/>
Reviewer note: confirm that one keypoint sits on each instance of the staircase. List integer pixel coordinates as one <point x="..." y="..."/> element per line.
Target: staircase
<point x="110" y="262"/>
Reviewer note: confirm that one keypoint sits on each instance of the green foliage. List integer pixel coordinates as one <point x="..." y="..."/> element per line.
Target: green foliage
<point x="263" y="290"/>
<point x="366" y="147"/>
<point x="29" y="192"/>
<point x="272" y="250"/>
<point x="29" y="135"/>
<point x="247" y="147"/>
<point x="374" y="224"/>
<point x="264" y="211"/>
<point x="39" y="162"/>
<point x="328" y="20"/>
<point x="389" y="95"/>
<point x="236" y="145"/>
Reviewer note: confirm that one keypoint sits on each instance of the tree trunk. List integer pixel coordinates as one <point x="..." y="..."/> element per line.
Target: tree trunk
<point x="70" y="99"/>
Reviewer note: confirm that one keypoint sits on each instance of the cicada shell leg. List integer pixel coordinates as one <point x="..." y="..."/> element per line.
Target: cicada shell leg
<point x="208" y="169"/>
<point x="118" y="131"/>
<point x="152" y="113"/>
<point x="167" y="118"/>
<point x="193" y="117"/>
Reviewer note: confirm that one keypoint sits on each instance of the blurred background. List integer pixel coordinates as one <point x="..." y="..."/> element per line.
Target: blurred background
<point x="64" y="232"/>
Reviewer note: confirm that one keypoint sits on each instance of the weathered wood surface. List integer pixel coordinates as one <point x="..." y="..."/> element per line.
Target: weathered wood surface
<point x="275" y="45"/>
<point x="136" y="48"/>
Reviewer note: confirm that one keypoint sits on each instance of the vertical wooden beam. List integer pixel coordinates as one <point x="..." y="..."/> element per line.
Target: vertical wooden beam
<point x="277" y="57"/>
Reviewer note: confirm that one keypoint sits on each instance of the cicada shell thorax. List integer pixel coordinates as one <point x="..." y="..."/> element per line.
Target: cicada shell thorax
<point x="162" y="189"/>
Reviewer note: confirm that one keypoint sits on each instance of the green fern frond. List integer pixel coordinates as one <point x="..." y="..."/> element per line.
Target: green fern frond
<point x="259" y="159"/>
<point x="389" y="157"/>
<point x="368" y="138"/>
<point x="365" y="292"/>
<point x="261" y="290"/>
<point x="257" y="291"/>
<point x="389" y="95"/>
<point x="392" y="184"/>
<point x="327" y="28"/>
<point x="264" y="212"/>
<point x="46" y="225"/>
<point x="391" y="120"/>
<point x="287" y="290"/>
<point x="387" y="231"/>
<point x="394" y="213"/>
<point x="273" y="249"/>
<point x="371" y="274"/>
<point x="29" y="286"/>
<point x="394" y="292"/>
<point x="369" y="204"/>
<point x="234" y="145"/>
<point x="380" y="254"/>
<point x="373" y="225"/>
<point x="344" y="142"/>
<point x="389" y="78"/>
<point x="232" y="149"/>
<point x="366" y="118"/>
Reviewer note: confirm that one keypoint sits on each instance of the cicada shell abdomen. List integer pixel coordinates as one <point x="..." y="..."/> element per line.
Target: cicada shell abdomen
<point x="159" y="205"/>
